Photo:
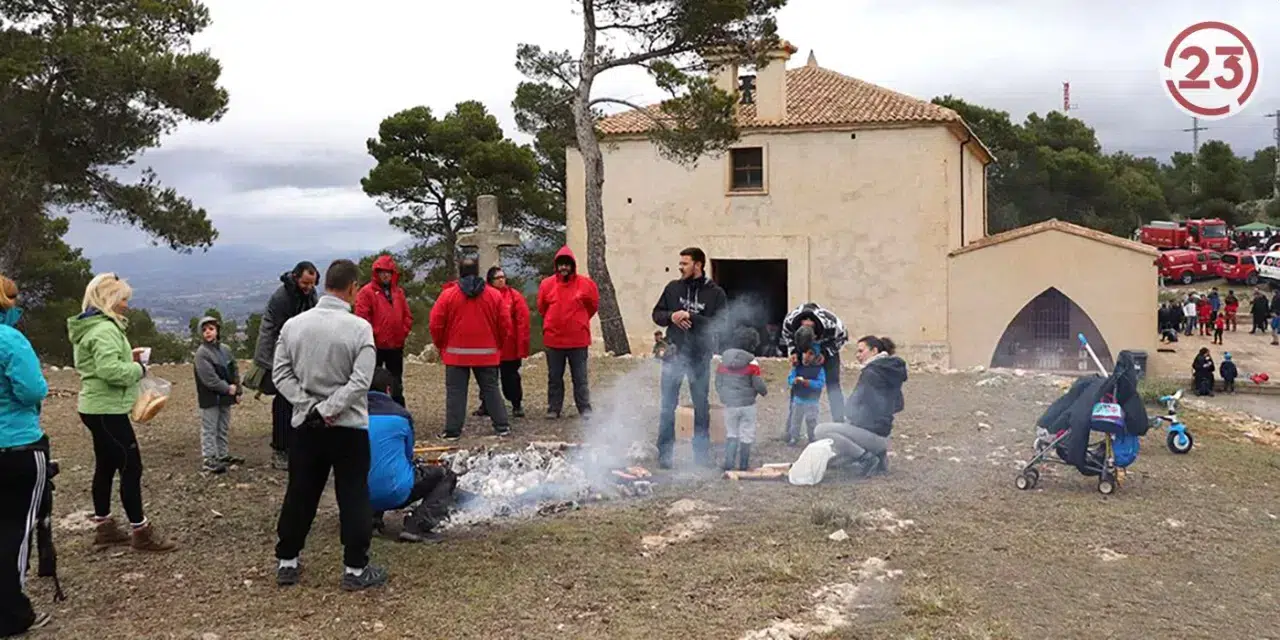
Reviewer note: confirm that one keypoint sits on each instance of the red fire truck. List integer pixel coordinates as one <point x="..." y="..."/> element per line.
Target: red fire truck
<point x="1187" y="234"/>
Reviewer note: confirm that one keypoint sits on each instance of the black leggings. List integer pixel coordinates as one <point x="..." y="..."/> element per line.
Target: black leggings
<point x="115" y="449"/>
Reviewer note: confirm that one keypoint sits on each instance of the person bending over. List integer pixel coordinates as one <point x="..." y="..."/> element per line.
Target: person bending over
<point x="395" y="482"/>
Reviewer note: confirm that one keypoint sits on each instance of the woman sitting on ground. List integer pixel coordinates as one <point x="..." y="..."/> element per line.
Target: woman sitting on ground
<point x="863" y="440"/>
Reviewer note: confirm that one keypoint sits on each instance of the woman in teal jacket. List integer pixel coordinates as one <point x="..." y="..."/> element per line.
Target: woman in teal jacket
<point x="24" y="456"/>
<point x="109" y="374"/>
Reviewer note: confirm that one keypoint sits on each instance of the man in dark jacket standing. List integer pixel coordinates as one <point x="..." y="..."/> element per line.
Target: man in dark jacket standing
<point x="469" y="322"/>
<point x="383" y="304"/>
<point x="1259" y="309"/>
<point x="296" y="294"/>
<point x="688" y="308"/>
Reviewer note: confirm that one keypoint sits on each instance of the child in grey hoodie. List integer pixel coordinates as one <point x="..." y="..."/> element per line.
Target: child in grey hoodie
<point x="217" y="389"/>
<point x="738" y="382"/>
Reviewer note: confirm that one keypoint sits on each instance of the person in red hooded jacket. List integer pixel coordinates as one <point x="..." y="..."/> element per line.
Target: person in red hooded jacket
<point x="515" y="348"/>
<point x="383" y="304"/>
<point x="566" y="301"/>
<point x="469" y="324"/>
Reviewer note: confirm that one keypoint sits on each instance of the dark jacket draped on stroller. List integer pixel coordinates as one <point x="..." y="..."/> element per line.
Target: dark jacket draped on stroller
<point x="1073" y="412"/>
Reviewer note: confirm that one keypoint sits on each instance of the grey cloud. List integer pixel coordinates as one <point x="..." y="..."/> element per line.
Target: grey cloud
<point x="193" y="169"/>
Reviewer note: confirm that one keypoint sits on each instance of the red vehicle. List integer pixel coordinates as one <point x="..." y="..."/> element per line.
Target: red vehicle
<point x="1240" y="267"/>
<point x="1189" y="234"/>
<point x="1187" y="266"/>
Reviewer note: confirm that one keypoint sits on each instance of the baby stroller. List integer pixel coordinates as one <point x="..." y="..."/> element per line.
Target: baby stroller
<point x="1106" y="406"/>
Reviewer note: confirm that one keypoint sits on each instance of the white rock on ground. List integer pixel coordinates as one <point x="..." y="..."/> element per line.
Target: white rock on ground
<point x="835" y="605"/>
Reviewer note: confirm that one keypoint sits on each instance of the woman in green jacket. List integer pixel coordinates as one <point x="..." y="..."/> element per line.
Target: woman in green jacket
<point x="109" y="374"/>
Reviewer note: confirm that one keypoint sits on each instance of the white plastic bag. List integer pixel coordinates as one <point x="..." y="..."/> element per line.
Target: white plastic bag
<point x="809" y="468"/>
<point x="153" y="394"/>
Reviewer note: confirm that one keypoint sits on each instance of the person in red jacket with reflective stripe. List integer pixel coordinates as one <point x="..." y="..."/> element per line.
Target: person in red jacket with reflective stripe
<point x="469" y="323"/>
<point x="515" y="348"/>
<point x="566" y="302"/>
<point x="383" y="304"/>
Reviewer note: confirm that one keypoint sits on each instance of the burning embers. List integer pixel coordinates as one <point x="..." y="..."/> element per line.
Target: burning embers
<point x="541" y="479"/>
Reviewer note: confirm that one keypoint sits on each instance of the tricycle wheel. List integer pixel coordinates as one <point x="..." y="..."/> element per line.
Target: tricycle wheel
<point x="1027" y="480"/>
<point x="1106" y="485"/>
<point x="1179" y="442"/>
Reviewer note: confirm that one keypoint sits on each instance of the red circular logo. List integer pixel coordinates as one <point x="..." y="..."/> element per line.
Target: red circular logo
<point x="1210" y="70"/>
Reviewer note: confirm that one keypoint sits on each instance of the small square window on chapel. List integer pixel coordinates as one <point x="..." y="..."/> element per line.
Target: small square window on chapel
<point x="748" y="169"/>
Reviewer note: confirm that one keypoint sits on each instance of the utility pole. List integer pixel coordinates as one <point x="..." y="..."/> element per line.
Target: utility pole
<point x="1195" y="148"/>
<point x="1275" y="184"/>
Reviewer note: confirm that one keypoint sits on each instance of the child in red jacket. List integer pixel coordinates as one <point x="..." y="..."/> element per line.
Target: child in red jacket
<point x="1219" y="325"/>
<point x="1203" y="309"/>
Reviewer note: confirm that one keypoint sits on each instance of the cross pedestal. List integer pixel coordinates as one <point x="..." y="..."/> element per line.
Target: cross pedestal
<point x="488" y="237"/>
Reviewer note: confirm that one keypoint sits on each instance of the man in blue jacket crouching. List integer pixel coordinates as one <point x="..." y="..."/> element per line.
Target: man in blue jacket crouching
<point x="395" y="481"/>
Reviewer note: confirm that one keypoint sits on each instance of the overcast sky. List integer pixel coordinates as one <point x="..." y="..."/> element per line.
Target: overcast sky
<point x="310" y="81"/>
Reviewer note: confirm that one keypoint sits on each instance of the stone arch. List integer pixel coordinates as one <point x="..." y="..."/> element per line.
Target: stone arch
<point x="1042" y="336"/>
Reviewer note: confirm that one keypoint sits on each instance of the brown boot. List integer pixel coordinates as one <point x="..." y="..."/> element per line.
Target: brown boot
<point x="108" y="533"/>
<point x="145" y="538"/>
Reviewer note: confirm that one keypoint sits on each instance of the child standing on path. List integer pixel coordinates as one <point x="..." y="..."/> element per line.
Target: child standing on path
<point x="738" y="382"/>
<point x="217" y="388"/>
<point x="1219" y="325"/>
<point x="1227" y="370"/>
<point x="807" y="378"/>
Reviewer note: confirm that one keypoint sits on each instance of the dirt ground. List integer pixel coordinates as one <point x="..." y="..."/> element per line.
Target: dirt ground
<point x="942" y="547"/>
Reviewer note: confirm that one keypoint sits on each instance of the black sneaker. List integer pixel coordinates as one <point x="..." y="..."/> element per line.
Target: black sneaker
<point x="502" y="432"/>
<point x="517" y="412"/>
<point x="230" y="460"/>
<point x="553" y="415"/>
<point x="372" y="577"/>
<point x="280" y="461"/>
<point x="417" y="536"/>
<point x="288" y="576"/>
<point x="213" y="466"/>
<point x="42" y="620"/>
<point x="450" y="436"/>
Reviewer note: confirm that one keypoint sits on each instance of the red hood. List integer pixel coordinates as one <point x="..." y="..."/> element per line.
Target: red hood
<point x="566" y="252"/>
<point x="387" y="263"/>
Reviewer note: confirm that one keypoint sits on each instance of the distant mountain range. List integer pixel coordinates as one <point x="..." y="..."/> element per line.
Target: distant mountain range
<point x="235" y="279"/>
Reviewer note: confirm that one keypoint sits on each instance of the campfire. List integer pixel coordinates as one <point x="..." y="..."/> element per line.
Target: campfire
<point x="543" y="478"/>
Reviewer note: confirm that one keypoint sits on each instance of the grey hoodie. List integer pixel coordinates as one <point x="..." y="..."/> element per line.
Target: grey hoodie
<point x="738" y="379"/>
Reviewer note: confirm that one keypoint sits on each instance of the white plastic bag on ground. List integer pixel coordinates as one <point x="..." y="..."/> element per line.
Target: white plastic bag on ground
<point x="809" y="468"/>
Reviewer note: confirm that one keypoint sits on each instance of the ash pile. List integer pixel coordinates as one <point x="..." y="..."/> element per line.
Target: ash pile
<point x="541" y="479"/>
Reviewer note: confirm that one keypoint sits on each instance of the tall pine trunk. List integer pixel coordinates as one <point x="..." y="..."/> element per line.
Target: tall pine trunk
<point x="611" y="324"/>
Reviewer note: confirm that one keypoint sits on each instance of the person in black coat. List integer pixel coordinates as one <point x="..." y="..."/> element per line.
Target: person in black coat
<point x="296" y="293"/>
<point x="690" y="309"/>
<point x="1259" y="309"/>
<point x="1202" y="369"/>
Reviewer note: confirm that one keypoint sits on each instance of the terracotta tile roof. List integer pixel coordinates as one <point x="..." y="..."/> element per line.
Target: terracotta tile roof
<point x="1057" y="225"/>
<point x="815" y="96"/>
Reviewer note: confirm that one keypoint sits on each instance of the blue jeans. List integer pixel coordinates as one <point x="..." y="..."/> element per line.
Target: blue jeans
<point x="698" y="371"/>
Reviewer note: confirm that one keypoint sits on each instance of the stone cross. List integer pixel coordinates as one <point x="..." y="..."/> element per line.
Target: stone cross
<point x="488" y="237"/>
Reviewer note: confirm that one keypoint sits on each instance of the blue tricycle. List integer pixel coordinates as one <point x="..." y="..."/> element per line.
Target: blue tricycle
<point x="1178" y="439"/>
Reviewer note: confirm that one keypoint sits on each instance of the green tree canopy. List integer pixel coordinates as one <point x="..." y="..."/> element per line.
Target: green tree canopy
<point x="675" y="41"/>
<point x="85" y="87"/>
<point x="431" y="170"/>
<point x="1052" y="166"/>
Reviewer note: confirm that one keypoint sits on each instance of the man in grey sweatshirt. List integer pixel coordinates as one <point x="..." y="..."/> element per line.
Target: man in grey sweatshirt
<point x="738" y="382"/>
<point x="323" y="364"/>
